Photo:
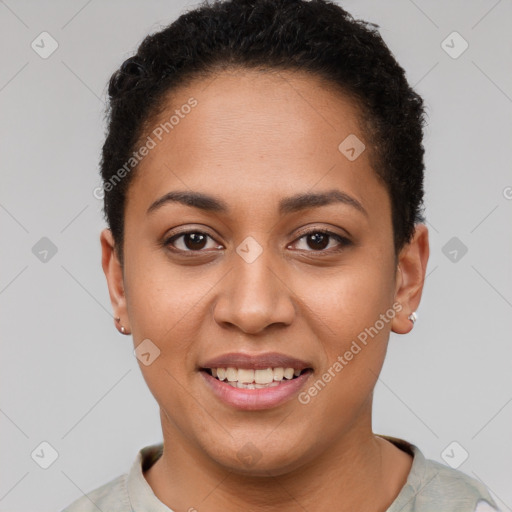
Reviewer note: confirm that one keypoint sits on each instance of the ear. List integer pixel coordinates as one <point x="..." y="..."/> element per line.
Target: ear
<point x="410" y="277"/>
<point x="115" y="280"/>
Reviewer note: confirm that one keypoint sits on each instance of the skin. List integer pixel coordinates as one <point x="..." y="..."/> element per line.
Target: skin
<point x="253" y="139"/>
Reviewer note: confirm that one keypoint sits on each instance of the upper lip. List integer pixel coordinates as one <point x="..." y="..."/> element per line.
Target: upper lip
<point x="255" y="361"/>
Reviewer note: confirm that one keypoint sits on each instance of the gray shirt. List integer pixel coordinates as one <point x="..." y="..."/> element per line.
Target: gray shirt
<point x="430" y="487"/>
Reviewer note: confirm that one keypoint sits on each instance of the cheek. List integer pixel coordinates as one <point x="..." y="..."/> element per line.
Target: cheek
<point x="344" y="303"/>
<point x="162" y="299"/>
<point x="344" y="312"/>
<point x="164" y="305"/>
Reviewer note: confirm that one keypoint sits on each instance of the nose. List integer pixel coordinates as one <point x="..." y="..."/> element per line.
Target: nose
<point x="254" y="295"/>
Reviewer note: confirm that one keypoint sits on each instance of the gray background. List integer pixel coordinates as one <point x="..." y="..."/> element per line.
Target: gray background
<point x="68" y="377"/>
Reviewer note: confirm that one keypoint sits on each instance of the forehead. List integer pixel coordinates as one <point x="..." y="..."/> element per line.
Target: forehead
<point x="258" y="134"/>
<point x="252" y="107"/>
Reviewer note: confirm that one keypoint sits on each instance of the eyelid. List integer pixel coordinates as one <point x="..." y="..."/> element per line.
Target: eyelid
<point x="322" y="229"/>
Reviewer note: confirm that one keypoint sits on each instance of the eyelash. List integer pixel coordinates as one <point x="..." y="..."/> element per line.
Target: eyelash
<point x="343" y="241"/>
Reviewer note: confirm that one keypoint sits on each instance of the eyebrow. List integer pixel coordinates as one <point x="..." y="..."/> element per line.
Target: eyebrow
<point x="288" y="205"/>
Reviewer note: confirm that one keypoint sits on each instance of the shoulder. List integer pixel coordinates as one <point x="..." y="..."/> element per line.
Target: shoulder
<point x="112" y="496"/>
<point x="453" y="490"/>
<point x="435" y="487"/>
<point x="126" y="492"/>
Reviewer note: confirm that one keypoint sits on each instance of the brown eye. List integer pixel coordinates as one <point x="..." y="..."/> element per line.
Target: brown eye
<point x="190" y="241"/>
<point x="194" y="241"/>
<point x="319" y="240"/>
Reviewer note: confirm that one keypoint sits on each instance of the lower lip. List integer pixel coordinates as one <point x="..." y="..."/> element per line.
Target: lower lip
<point x="256" y="399"/>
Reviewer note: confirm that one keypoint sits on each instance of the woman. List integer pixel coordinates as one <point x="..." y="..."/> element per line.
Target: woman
<point x="263" y="178"/>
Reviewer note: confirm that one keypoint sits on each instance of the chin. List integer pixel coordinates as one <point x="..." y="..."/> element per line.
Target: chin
<point x="260" y="458"/>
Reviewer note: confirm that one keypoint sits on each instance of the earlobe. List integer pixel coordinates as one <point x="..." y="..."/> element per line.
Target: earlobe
<point x="410" y="279"/>
<point x="114" y="274"/>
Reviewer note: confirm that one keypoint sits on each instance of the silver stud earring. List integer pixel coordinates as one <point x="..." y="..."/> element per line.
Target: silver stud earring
<point x="413" y="317"/>
<point x="118" y="319"/>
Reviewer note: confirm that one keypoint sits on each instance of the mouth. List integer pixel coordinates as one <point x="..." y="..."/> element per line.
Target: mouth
<point x="251" y="378"/>
<point x="252" y="382"/>
<point x="250" y="389"/>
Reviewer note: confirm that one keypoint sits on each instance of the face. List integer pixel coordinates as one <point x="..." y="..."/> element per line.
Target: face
<point x="253" y="242"/>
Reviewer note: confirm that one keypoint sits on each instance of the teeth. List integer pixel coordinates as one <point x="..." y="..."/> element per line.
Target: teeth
<point x="263" y="376"/>
<point x="259" y="378"/>
<point x="278" y="374"/>
<point x="246" y="376"/>
<point x="241" y="385"/>
<point x="232" y="374"/>
<point x="288" y="373"/>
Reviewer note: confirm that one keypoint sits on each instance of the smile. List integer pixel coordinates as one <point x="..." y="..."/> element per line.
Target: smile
<point x="267" y="388"/>
<point x="248" y="378"/>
